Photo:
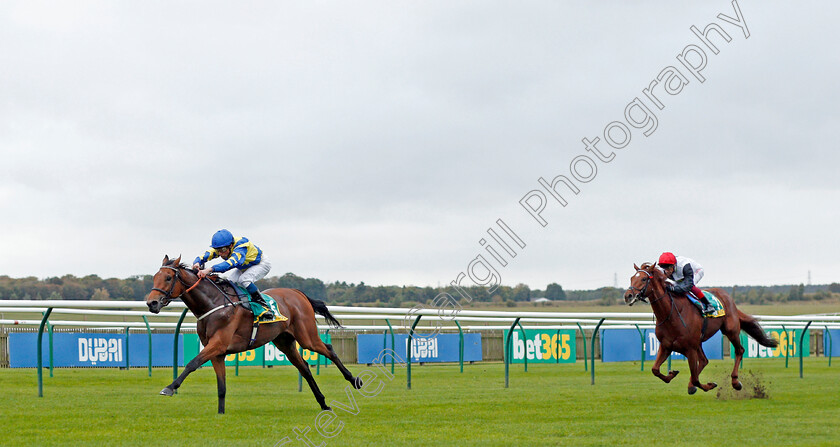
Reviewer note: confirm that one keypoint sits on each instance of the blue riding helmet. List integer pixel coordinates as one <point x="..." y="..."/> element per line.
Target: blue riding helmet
<point x="222" y="238"/>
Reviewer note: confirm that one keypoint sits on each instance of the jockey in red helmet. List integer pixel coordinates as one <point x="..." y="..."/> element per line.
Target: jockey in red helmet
<point x="240" y="255"/>
<point x="686" y="273"/>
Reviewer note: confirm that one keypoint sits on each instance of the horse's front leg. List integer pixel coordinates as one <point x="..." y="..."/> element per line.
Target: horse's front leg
<point x="219" y="367"/>
<point x="213" y="349"/>
<point x="661" y="355"/>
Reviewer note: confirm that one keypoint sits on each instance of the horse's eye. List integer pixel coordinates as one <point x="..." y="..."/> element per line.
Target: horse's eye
<point x="169" y="278"/>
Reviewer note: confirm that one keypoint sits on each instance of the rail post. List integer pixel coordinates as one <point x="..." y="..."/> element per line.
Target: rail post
<point x="327" y="334"/>
<point x="408" y="348"/>
<point x="524" y="340"/>
<point x="40" y="354"/>
<point x="508" y="353"/>
<point x="175" y="346"/>
<point x="642" y="338"/>
<point x="300" y="376"/>
<point x="583" y="335"/>
<point x="592" y="345"/>
<point x="827" y="331"/>
<point x="787" y="343"/>
<point x="801" y="341"/>
<point x="50" y="330"/>
<point x="460" y="346"/>
<point x="127" y="352"/>
<point x="391" y="330"/>
<point x="149" y="331"/>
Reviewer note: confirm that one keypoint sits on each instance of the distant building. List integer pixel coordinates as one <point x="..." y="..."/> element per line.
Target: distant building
<point x="540" y="300"/>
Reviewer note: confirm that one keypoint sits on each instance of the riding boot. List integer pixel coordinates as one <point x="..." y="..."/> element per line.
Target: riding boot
<point x="257" y="297"/>
<point x="707" y="306"/>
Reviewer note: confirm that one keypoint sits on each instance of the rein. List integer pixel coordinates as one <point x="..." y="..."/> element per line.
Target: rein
<point x="654" y="300"/>
<point x="167" y="294"/>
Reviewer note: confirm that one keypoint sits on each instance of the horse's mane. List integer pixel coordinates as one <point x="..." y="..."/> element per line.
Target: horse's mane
<point x="649" y="265"/>
<point x="219" y="280"/>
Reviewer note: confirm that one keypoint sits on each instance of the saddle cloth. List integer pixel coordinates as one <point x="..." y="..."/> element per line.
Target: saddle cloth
<point x="713" y="300"/>
<point x="260" y="312"/>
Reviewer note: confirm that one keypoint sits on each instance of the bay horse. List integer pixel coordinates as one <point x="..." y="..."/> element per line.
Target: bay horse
<point x="682" y="328"/>
<point x="225" y="325"/>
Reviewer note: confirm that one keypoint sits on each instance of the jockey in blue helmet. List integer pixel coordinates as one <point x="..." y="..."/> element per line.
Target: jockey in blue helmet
<point x="240" y="255"/>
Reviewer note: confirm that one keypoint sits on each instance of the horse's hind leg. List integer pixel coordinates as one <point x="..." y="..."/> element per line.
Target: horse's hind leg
<point x="661" y="355"/>
<point x="735" y="339"/>
<point x="330" y="354"/>
<point x="286" y="343"/>
<point x="314" y="344"/>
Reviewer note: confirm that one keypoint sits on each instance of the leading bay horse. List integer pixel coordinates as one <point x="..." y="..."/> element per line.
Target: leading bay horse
<point x="225" y="325"/>
<point x="680" y="326"/>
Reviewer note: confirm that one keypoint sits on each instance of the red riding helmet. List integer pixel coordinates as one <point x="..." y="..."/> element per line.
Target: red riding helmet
<point x="667" y="258"/>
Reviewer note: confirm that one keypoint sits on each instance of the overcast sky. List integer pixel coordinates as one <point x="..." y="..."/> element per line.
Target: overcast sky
<point x="378" y="141"/>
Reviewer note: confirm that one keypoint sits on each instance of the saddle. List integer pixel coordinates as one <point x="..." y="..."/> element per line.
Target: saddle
<point x="718" y="310"/>
<point x="261" y="314"/>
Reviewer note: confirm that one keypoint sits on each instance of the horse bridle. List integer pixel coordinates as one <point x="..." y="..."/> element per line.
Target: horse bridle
<point x="167" y="295"/>
<point x="640" y="293"/>
<point x="653" y="300"/>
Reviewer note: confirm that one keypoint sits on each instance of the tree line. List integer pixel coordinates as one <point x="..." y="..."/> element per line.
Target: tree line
<point x="92" y="287"/>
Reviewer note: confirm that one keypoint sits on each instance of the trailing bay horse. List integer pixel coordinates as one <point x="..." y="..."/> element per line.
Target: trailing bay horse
<point x="225" y="325"/>
<point x="682" y="328"/>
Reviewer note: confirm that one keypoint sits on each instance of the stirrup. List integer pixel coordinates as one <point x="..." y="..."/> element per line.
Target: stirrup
<point x="261" y="301"/>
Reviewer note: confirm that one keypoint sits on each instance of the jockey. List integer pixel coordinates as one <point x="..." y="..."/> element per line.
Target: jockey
<point x="684" y="274"/>
<point x="247" y="258"/>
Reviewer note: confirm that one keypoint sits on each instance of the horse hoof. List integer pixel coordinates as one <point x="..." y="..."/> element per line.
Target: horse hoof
<point x="673" y="373"/>
<point x="357" y="383"/>
<point x="737" y="385"/>
<point x="692" y="390"/>
<point x="711" y="386"/>
<point x="167" y="392"/>
<point x="326" y="408"/>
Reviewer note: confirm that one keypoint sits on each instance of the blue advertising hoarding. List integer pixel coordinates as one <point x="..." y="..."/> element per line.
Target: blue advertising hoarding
<point x="831" y="342"/>
<point x="624" y="345"/>
<point x="440" y="348"/>
<point x="92" y="350"/>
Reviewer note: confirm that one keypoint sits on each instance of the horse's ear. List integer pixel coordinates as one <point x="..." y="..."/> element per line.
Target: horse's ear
<point x="165" y="260"/>
<point x="636" y="267"/>
<point x="177" y="261"/>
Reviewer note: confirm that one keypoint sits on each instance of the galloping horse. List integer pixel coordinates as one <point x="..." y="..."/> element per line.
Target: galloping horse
<point x="680" y="327"/>
<point x="225" y="325"/>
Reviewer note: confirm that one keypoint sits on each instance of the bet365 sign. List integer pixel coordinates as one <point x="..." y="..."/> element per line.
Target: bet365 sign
<point x="542" y="346"/>
<point x="788" y="344"/>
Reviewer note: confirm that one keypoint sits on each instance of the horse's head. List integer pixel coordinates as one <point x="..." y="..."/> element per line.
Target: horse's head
<point x="640" y="287"/>
<point x="166" y="282"/>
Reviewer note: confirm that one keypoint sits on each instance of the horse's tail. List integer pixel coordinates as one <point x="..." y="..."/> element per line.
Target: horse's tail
<point x="320" y="308"/>
<point x="751" y="326"/>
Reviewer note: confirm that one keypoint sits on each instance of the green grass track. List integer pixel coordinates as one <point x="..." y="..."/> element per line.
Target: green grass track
<point x="548" y="405"/>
